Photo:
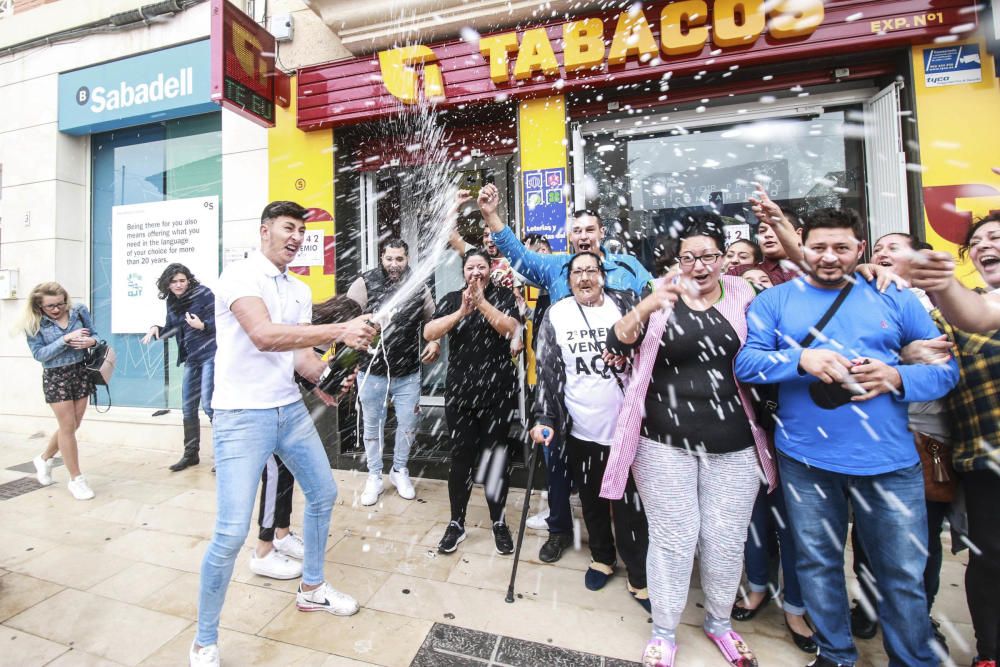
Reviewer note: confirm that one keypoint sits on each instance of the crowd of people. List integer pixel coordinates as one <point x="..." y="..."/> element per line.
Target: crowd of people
<point x="751" y="407"/>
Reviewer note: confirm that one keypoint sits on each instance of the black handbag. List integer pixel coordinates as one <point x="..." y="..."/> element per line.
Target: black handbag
<point x="99" y="364"/>
<point x="766" y="395"/>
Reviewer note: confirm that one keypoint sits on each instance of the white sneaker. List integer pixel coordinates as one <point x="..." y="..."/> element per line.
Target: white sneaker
<point x="80" y="489"/>
<point x="538" y="521"/>
<point x="373" y="489"/>
<point x="275" y="566"/>
<point x="43" y="470"/>
<point x="206" y="656"/>
<point x="325" y="598"/>
<point x="401" y="480"/>
<point x="290" y="545"/>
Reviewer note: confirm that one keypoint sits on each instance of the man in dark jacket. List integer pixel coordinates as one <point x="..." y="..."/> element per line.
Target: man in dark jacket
<point x="395" y="369"/>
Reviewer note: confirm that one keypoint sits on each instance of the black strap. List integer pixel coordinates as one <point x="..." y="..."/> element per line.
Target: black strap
<point x="827" y="316"/>
<point x="614" y="374"/>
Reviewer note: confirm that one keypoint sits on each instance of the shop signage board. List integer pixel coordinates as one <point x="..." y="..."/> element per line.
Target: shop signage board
<point x="145" y="238"/>
<point x="154" y="86"/>
<point x="654" y="41"/>
<point x="243" y="72"/>
<point x="311" y="251"/>
<point x="951" y="65"/>
<point x="544" y="199"/>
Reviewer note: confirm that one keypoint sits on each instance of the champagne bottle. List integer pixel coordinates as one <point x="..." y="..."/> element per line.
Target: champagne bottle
<point x="340" y="366"/>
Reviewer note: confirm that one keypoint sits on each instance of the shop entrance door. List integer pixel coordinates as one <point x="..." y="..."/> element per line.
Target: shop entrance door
<point x="388" y="210"/>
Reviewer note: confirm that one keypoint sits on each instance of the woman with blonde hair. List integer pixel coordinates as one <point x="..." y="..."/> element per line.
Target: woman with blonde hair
<point x="58" y="333"/>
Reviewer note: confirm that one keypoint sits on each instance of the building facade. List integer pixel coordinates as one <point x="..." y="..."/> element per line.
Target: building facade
<point x="640" y="112"/>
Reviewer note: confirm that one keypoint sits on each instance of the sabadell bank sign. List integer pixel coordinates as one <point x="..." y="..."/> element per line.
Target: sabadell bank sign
<point x="142" y="89"/>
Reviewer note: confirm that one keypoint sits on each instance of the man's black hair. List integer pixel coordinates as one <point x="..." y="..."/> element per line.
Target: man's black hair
<point x="394" y="242"/>
<point x="832" y="218"/>
<point x="579" y="213"/>
<point x="277" y="209"/>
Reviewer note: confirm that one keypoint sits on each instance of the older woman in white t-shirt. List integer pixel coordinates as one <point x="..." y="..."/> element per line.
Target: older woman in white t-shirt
<point x="577" y="399"/>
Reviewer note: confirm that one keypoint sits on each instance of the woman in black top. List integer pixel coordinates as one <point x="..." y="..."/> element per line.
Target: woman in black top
<point x="479" y="401"/>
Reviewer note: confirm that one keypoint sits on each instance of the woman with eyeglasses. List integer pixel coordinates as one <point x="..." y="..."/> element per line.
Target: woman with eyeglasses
<point x="577" y="390"/>
<point x="191" y="321"/>
<point x="59" y="332"/>
<point x="687" y="433"/>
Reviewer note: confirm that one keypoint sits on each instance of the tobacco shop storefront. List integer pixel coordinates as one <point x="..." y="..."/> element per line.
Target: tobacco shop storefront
<point x="643" y="114"/>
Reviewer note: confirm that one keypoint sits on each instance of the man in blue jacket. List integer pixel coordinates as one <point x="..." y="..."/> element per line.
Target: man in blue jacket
<point x="842" y="434"/>
<point x="624" y="272"/>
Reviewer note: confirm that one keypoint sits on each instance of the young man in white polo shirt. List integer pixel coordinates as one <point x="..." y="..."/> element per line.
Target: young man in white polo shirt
<point x="264" y="334"/>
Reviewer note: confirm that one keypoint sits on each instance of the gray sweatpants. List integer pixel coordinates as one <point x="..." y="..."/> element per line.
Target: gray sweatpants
<point x="694" y="501"/>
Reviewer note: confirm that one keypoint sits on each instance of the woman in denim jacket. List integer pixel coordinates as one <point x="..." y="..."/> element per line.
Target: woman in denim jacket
<point x="58" y="334"/>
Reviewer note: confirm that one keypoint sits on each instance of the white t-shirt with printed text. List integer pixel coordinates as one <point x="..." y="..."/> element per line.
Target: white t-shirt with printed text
<point x="245" y="377"/>
<point x="592" y="396"/>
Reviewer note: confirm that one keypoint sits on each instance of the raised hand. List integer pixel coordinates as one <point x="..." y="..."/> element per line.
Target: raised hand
<point x="489" y="199"/>
<point x="764" y="209"/>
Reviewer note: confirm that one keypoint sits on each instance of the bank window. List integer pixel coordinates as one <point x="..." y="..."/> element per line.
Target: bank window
<point x="175" y="159"/>
<point x="642" y="183"/>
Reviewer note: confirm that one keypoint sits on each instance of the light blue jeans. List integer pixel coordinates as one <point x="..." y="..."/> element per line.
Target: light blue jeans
<point x="243" y="441"/>
<point x="405" y="393"/>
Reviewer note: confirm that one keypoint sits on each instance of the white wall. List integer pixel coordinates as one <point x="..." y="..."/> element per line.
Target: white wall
<point x="45" y="208"/>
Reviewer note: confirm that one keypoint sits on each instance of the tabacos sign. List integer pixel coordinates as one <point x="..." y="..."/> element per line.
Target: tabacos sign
<point x="150" y="87"/>
<point x="592" y="46"/>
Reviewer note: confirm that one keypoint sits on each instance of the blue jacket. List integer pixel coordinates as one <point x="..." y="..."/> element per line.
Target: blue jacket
<point x="194" y="345"/>
<point x="48" y="346"/>
<point x="865" y="438"/>
<point x="625" y="273"/>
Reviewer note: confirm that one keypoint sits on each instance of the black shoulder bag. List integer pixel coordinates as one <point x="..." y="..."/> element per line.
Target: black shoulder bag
<point x="767" y="394"/>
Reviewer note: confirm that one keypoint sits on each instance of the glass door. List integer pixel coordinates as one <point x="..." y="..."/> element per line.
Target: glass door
<point x="390" y="210"/>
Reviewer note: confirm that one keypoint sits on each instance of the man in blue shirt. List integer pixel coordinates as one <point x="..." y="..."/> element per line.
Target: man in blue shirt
<point x="842" y="433"/>
<point x="624" y="272"/>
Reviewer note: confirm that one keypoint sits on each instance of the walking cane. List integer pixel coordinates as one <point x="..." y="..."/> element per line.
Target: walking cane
<point x="524" y="515"/>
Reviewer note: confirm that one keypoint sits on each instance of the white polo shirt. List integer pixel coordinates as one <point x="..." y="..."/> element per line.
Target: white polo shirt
<point x="245" y="377"/>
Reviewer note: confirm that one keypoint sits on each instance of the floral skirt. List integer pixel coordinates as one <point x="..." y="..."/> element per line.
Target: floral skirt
<point x="66" y="383"/>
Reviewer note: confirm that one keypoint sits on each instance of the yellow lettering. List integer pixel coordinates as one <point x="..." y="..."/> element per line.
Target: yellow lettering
<point x="400" y="76"/>
<point x="633" y="37"/>
<point x="535" y="55"/>
<point x="797" y="18"/>
<point x="737" y="22"/>
<point x="919" y="21"/>
<point x="248" y="55"/>
<point x="497" y="50"/>
<point x="682" y="27"/>
<point x="583" y="44"/>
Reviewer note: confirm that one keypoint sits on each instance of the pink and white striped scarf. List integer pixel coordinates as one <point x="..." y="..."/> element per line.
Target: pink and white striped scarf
<point x="737" y="297"/>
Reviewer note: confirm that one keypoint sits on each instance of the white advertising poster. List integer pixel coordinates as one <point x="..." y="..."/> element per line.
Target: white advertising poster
<point x="311" y="251"/>
<point x="145" y="238"/>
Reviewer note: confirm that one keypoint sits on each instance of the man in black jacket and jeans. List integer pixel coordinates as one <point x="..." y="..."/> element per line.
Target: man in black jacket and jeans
<point x="395" y="369"/>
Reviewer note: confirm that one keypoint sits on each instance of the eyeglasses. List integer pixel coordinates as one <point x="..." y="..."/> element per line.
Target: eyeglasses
<point x="55" y="306"/>
<point x="589" y="272"/>
<point x="708" y="259"/>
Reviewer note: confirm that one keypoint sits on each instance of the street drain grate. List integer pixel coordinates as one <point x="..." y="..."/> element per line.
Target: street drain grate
<point x="18" y="487"/>
<point x="452" y="646"/>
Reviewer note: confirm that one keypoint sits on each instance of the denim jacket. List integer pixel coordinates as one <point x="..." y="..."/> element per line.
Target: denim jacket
<point x="48" y="347"/>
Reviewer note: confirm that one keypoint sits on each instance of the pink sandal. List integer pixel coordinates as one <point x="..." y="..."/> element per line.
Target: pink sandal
<point x="659" y="653"/>
<point x="734" y="648"/>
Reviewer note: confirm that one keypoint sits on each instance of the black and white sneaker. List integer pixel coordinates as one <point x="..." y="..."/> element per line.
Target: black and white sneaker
<point x="453" y="536"/>
<point x="502" y="538"/>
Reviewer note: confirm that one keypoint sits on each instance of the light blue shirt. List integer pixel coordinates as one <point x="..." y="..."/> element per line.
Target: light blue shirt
<point x="48" y="346"/>
<point x="549" y="271"/>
